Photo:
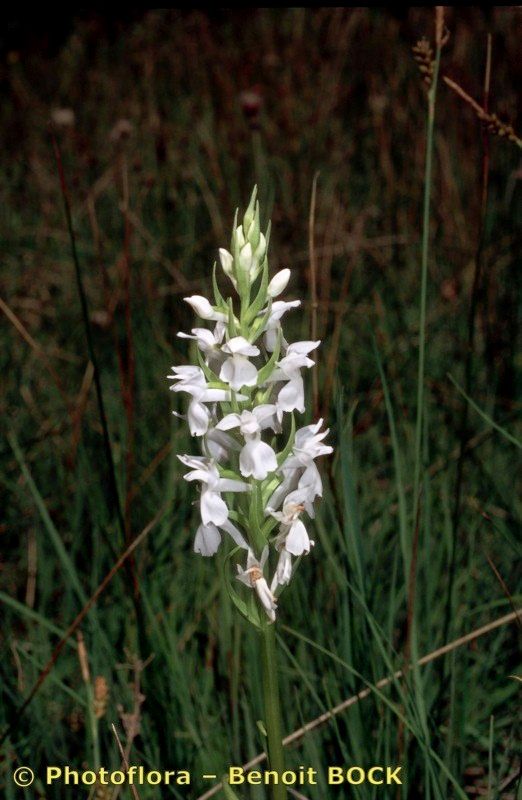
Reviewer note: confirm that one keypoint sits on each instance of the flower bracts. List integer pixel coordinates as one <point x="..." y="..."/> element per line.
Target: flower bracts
<point x="257" y="473"/>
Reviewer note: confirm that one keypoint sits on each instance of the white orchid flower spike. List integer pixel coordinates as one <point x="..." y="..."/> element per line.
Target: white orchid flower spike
<point x="257" y="475"/>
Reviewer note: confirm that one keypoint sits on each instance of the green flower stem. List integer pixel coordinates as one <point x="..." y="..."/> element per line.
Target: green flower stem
<point x="432" y="94"/>
<point x="272" y="709"/>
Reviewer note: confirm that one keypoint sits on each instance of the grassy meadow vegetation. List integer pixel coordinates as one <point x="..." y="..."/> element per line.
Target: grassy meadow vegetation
<point x="159" y="126"/>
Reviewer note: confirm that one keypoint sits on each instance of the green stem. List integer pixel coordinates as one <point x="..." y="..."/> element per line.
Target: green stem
<point x="93" y="727"/>
<point x="420" y="421"/>
<point x="424" y="282"/>
<point x="272" y="709"/>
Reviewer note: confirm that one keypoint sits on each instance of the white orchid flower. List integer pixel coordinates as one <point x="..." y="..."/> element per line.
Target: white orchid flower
<point x="192" y="380"/>
<point x="212" y="506"/>
<point x="257" y="458"/>
<point x="253" y="577"/>
<point x="237" y="370"/>
<point x="291" y="396"/>
<point x="301" y="481"/>
<point x="295" y="358"/>
<point x="250" y="423"/>
<point x="186" y="373"/>
<point x="272" y="326"/>
<point x="308" y="445"/>
<point x="209" y="343"/>
<point x="293" y="535"/>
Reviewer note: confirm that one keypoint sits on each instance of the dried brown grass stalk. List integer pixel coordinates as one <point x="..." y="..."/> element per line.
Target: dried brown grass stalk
<point x="440" y="36"/>
<point x="492" y="123"/>
<point x="125" y="762"/>
<point x="313" y="287"/>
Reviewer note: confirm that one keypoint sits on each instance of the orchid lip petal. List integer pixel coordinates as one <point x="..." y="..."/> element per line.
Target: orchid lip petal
<point x="208" y="539"/>
<point x="257" y="459"/>
<point x="213" y="508"/>
<point x="237" y="371"/>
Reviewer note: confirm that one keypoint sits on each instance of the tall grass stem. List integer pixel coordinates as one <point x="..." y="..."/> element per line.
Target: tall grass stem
<point x="90" y="344"/>
<point x="432" y="94"/>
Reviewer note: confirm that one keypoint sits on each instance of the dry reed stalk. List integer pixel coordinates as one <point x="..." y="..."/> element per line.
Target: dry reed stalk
<point x="440" y="38"/>
<point x="313" y="290"/>
<point x="125" y="762"/>
<point x="131" y="721"/>
<point x="491" y="122"/>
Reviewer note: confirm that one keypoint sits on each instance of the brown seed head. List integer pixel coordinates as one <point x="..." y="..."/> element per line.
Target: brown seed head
<point x="101" y="696"/>
<point x="423" y="55"/>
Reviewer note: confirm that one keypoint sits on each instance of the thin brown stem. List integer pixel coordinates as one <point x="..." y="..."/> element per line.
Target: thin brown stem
<point x="313" y="290"/>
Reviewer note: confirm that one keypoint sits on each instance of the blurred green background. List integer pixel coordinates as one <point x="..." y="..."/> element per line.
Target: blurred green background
<point x="165" y="119"/>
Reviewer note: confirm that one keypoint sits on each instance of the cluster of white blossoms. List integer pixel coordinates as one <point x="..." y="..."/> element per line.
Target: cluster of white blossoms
<point x="247" y="384"/>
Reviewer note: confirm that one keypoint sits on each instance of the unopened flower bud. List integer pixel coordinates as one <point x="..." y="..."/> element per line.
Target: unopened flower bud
<point x="240" y="237"/>
<point x="260" y="248"/>
<point x="278" y="283"/>
<point x="246" y="259"/>
<point x="227" y="262"/>
<point x="251" y="212"/>
<point x="203" y="308"/>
